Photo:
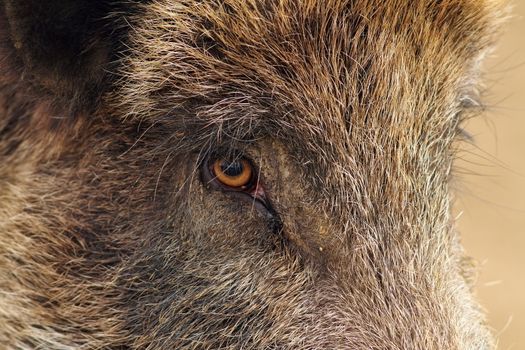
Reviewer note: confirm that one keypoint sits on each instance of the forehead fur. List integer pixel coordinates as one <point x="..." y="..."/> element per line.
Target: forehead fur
<point x="314" y="66"/>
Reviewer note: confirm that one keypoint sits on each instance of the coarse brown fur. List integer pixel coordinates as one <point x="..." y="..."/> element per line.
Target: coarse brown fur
<point x="350" y="110"/>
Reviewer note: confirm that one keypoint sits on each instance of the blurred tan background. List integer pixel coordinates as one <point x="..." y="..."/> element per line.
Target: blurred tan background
<point x="492" y="188"/>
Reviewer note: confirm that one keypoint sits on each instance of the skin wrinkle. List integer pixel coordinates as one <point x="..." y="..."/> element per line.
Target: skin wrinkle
<point x="350" y="112"/>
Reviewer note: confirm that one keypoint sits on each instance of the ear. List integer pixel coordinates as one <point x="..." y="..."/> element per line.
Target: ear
<point x="63" y="46"/>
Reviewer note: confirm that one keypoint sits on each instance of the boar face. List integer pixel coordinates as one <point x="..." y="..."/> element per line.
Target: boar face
<point x="182" y="174"/>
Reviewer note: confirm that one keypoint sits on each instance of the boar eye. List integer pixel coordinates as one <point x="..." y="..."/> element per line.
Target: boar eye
<point x="240" y="178"/>
<point x="235" y="174"/>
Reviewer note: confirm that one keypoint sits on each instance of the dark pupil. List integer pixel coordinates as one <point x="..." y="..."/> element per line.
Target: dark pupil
<point x="232" y="169"/>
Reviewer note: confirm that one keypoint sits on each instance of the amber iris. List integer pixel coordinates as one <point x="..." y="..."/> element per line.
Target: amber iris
<point x="236" y="174"/>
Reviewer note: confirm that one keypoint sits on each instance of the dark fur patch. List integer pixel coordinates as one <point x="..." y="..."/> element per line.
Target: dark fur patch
<point x="68" y="47"/>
